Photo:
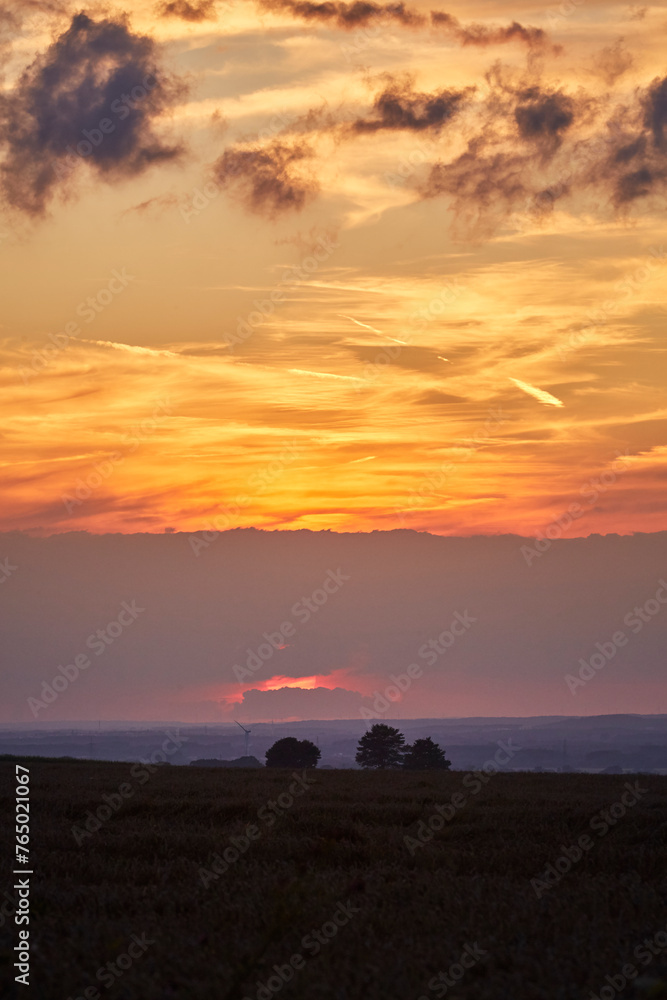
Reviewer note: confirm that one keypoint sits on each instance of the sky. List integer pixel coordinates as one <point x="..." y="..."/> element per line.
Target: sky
<point x="287" y="283"/>
<point x="332" y="266"/>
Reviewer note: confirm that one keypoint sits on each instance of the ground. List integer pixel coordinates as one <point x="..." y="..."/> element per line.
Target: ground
<point x="330" y="859"/>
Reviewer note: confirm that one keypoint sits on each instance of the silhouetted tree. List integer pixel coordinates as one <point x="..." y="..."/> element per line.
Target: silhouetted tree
<point x="425" y="755"/>
<point x="290" y="752"/>
<point x="381" y="746"/>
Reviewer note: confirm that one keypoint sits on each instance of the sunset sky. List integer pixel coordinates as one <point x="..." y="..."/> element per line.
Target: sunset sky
<point x="459" y="212"/>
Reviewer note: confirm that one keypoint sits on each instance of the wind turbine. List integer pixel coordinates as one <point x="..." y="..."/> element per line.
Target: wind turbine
<point x="247" y="735"/>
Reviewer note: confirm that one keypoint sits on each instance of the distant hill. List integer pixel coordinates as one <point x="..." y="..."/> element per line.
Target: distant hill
<point x="237" y="762"/>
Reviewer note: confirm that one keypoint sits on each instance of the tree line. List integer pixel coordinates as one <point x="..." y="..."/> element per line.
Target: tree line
<point x="380" y="748"/>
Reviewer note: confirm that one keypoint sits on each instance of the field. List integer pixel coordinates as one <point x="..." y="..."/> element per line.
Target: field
<point x="329" y="860"/>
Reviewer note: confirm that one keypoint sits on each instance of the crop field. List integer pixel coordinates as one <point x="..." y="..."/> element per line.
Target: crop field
<point x="217" y="884"/>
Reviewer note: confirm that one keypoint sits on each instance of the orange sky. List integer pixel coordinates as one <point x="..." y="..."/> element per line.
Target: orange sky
<point x="460" y="360"/>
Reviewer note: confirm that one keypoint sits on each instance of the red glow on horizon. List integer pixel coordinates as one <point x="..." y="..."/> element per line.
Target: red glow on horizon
<point x="279" y="681"/>
<point x="231" y="695"/>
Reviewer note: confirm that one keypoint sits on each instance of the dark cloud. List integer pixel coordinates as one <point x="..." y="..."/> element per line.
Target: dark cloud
<point x="93" y="96"/>
<point x="624" y="160"/>
<point x="363" y="12"/>
<point x="399" y="107"/>
<point x="490" y="173"/>
<point x="635" y="165"/>
<point x="655" y="111"/>
<point x="527" y="146"/>
<point x="481" y="179"/>
<point x="271" y="179"/>
<point x="484" y="35"/>
<point x="636" y="184"/>
<point x="521" y="128"/>
<point x="543" y="118"/>
<point x="199" y="10"/>
<point x="348" y="15"/>
<point x="267" y="179"/>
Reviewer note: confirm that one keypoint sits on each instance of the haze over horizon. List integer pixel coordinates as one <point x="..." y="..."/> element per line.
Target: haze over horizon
<point x="261" y="625"/>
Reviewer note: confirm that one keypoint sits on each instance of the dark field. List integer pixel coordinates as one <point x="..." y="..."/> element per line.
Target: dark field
<point x="404" y="917"/>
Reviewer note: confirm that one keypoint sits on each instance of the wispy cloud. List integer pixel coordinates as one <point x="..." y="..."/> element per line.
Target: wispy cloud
<point x="343" y="378"/>
<point x="131" y="348"/>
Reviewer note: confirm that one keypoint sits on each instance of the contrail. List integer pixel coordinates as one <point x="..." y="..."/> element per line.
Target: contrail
<point x="541" y="394"/>
<point x="301" y="371"/>
<point x="367" y="327"/>
<point x="130" y="348"/>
